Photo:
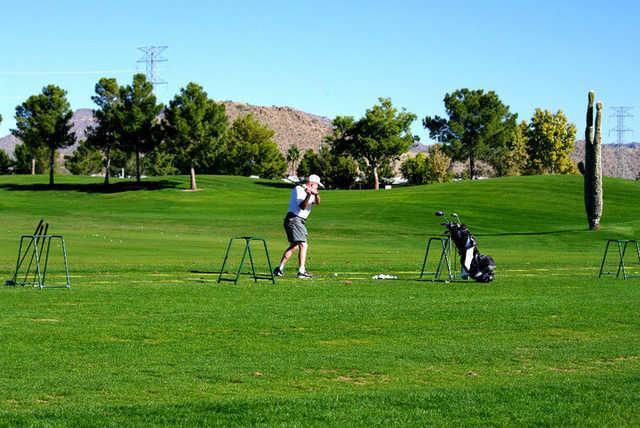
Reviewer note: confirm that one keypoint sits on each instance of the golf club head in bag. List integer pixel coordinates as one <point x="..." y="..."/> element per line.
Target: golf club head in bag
<point x="478" y="266"/>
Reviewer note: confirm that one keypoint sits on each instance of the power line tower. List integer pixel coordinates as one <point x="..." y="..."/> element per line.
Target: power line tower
<point x="621" y="112"/>
<point x="152" y="56"/>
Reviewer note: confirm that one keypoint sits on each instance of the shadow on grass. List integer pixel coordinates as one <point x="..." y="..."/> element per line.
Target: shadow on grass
<point x="550" y="232"/>
<point x="124" y="186"/>
<point x="276" y="185"/>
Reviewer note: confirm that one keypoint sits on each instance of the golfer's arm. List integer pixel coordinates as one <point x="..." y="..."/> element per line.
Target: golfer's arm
<point x="317" y="202"/>
<point x="305" y="202"/>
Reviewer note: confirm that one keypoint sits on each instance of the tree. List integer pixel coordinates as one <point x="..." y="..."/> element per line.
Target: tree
<point x="550" y="141"/>
<point x="518" y="156"/>
<point x="196" y="126"/>
<point x="123" y="163"/>
<point x="5" y="162"/>
<point x="478" y="123"/>
<point x="382" y="135"/>
<point x="432" y="167"/>
<point x="337" y="171"/>
<point x="26" y="161"/>
<point x="137" y="118"/>
<point x="512" y="157"/>
<point x="309" y="164"/>
<point x="104" y="136"/>
<point x="160" y="161"/>
<point x="44" y="121"/>
<point x="86" y="160"/>
<point x="251" y="150"/>
<point x="293" y="156"/>
<point x="415" y="169"/>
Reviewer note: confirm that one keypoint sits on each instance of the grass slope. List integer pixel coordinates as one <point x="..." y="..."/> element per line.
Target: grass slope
<point x="146" y="336"/>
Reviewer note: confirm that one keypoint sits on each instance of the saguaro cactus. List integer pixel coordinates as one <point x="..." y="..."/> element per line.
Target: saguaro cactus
<point x="593" y="165"/>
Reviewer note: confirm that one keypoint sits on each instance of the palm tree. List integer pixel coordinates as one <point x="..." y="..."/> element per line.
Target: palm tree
<point x="293" y="155"/>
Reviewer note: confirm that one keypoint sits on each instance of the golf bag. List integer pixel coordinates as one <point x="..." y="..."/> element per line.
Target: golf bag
<point x="473" y="264"/>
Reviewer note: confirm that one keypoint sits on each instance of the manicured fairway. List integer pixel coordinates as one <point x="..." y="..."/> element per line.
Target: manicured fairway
<point x="147" y="337"/>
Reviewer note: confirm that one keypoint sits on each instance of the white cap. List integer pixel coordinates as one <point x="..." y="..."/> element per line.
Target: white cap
<point x="315" y="179"/>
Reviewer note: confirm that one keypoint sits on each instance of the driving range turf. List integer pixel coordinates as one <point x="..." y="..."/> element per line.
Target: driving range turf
<point x="146" y="336"/>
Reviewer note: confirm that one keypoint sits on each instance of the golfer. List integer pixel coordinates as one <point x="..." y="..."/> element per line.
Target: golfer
<point x="300" y="203"/>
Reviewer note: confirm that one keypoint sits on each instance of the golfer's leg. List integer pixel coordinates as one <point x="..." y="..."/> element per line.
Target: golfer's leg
<point x="287" y="254"/>
<point x="302" y="256"/>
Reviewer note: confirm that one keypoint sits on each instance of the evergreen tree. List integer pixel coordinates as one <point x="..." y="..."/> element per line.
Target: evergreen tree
<point x="104" y="136"/>
<point x="196" y="128"/>
<point x="251" y="150"/>
<point x="29" y="161"/>
<point x="43" y="121"/>
<point x="86" y="160"/>
<point x="478" y="126"/>
<point x="137" y="119"/>
<point x="310" y="164"/>
<point x="123" y="163"/>
<point x="160" y="161"/>
<point x="5" y="162"/>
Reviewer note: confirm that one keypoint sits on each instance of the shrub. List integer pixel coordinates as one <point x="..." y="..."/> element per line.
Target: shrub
<point x="86" y="160"/>
<point x="432" y="167"/>
<point x="5" y="163"/>
<point x="337" y="171"/>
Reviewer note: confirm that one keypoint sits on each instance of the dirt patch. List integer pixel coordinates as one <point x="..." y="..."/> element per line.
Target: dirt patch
<point x="349" y="379"/>
<point x="563" y="369"/>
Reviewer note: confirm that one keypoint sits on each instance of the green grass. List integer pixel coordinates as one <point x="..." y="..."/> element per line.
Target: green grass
<point x="146" y="336"/>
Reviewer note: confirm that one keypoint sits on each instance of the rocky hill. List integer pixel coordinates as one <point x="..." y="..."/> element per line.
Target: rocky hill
<point x="291" y="126"/>
<point x="618" y="160"/>
<point x="8" y="144"/>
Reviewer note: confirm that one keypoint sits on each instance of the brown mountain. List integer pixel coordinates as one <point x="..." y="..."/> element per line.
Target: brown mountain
<point x="291" y="126"/>
<point x="618" y="160"/>
<point x="8" y="144"/>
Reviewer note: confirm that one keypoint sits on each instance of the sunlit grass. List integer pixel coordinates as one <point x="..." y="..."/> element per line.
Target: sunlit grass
<point x="146" y="336"/>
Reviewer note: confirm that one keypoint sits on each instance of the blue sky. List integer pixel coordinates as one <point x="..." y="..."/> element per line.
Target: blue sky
<point x="334" y="57"/>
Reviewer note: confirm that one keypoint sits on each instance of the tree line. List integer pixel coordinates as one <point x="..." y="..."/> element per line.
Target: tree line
<point x="478" y="127"/>
<point x="135" y="133"/>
